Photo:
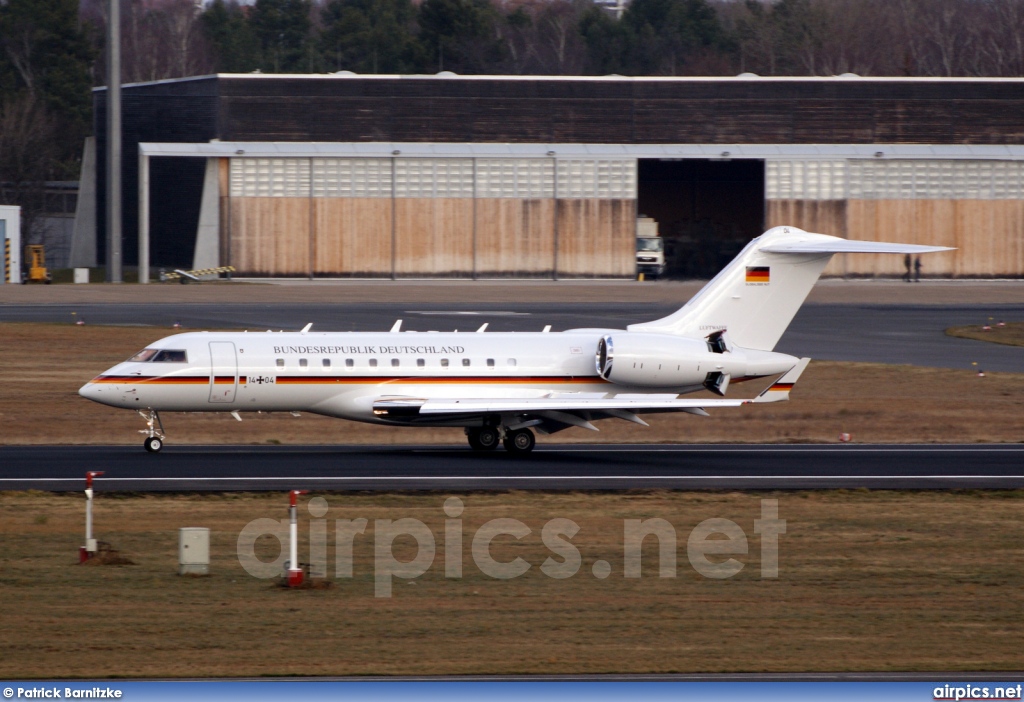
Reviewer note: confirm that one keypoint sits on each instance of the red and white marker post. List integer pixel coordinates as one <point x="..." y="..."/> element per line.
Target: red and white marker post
<point x="294" y="569"/>
<point x="89" y="550"/>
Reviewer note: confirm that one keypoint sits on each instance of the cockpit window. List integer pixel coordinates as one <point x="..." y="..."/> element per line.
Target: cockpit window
<point x="159" y="356"/>
<point x="170" y="357"/>
<point x="143" y="355"/>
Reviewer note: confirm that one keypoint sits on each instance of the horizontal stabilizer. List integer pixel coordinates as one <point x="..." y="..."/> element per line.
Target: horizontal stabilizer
<point x="846" y="246"/>
<point x="779" y="390"/>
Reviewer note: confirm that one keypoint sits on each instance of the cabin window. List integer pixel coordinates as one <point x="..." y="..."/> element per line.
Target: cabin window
<point x="511" y="361"/>
<point x="490" y="363"/>
<point x="444" y="362"/>
<point x="349" y="363"/>
<point x="465" y="361"/>
<point x="280" y="363"/>
<point x="420" y="363"/>
<point x="303" y="363"/>
<point x="373" y="363"/>
<point x="327" y="363"/>
<point x="170" y="357"/>
<point x="394" y="362"/>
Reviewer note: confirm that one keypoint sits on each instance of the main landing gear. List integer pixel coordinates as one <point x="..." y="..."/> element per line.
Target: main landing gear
<point x="517" y="442"/>
<point x="155" y="430"/>
<point x="520" y="441"/>
<point x="484" y="438"/>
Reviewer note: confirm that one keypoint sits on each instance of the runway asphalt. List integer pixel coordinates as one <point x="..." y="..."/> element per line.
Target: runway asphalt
<point x="912" y="334"/>
<point x="561" y="467"/>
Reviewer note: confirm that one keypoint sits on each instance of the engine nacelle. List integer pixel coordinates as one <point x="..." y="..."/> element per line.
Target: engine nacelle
<point x="665" y="361"/>
<point x="654" y="360"/>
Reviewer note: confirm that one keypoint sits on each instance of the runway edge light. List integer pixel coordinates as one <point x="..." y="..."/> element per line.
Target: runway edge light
<point x="89" y="550"/>
<point x="294" y="567"/>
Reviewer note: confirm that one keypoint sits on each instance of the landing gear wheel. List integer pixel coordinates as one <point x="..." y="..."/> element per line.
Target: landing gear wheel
<point x="519" y="442"/>
<point x="154" y="430"/>
<point x="483" y="439"/>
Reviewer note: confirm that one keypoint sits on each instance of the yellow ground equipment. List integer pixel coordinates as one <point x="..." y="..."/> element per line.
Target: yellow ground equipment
<point x="36" y="257"/>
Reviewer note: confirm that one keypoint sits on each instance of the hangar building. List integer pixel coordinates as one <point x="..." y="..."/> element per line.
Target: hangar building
<point x="484" y="176"/>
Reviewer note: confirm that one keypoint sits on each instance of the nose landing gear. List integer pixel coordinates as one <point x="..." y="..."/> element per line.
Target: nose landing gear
<point x="155" y="430"/>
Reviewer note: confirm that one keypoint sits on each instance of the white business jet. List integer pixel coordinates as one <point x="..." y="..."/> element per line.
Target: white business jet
<point x="501" y="386"/>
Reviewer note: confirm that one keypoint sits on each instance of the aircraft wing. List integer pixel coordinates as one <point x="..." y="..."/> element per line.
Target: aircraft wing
<point x="566" y="402"/>
<point x="559" y="406"/>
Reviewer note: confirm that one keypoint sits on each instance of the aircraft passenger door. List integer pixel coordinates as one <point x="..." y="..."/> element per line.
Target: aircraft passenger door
<point x="223" y="371"/>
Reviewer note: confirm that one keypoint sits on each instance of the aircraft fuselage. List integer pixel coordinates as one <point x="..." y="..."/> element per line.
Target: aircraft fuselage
<point x="341" y="374"/>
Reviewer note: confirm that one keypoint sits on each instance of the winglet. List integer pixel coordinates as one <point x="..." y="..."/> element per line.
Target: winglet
<point x="779" y="390"/>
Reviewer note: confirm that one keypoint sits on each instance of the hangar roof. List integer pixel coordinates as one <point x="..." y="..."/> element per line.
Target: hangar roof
<point x="448" y="75"/>
<point x="573" y="109"/>
<point x="284" y="149"/>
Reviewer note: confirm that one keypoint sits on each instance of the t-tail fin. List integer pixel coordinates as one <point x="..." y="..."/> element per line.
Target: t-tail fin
<point x="757" y="295"/>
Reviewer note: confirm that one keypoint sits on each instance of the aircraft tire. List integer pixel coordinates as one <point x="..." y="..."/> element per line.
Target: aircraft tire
<point x="519" y="442"/>
<point x="483" y="439"/>
<point x="153" y="444"/>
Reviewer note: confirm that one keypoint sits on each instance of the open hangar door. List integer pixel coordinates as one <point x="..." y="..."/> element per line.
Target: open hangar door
<point x="707" y="210"/>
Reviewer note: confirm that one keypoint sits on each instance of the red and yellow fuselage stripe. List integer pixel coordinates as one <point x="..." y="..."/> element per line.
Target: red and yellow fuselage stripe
<point x="346" y="380"/>
<point x="161" y="379"/>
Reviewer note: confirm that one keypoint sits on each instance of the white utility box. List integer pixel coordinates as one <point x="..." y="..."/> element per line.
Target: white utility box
<point x="10" y="242"/>
<point x="194" y="551"/>
<point x="81" y="275"/>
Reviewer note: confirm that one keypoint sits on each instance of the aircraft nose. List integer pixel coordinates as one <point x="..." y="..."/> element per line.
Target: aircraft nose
<point x="89" y="391"/>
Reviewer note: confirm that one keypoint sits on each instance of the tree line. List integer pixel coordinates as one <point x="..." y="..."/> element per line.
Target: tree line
<point x="52" y="51"/>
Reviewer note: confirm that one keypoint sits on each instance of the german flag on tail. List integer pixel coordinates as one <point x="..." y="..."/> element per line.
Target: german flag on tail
<point x="758" y="274"/>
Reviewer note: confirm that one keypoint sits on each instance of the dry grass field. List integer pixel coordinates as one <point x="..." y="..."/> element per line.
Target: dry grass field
<point x="45" y="364"/>
<point x="1011" y="334"/>
<point x="868" y="581"/>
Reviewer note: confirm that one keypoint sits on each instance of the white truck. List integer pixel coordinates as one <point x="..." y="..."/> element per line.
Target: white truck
<point x="650" y="248"/>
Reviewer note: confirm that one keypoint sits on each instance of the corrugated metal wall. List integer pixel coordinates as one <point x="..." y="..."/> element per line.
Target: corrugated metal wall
<point x="429" y="217"/>
<point x="614" y="110"/>
<point x="976" y="206"/>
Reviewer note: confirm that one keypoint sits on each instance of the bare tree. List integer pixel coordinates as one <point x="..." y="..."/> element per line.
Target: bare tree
<point x="544" y="37"/>
<point x="560" y="46"/>
<point x="759" y="35"/>
<point x="857" y="36"/>
<point x="1001" y="40"/>
<point x="159" y="39"/>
